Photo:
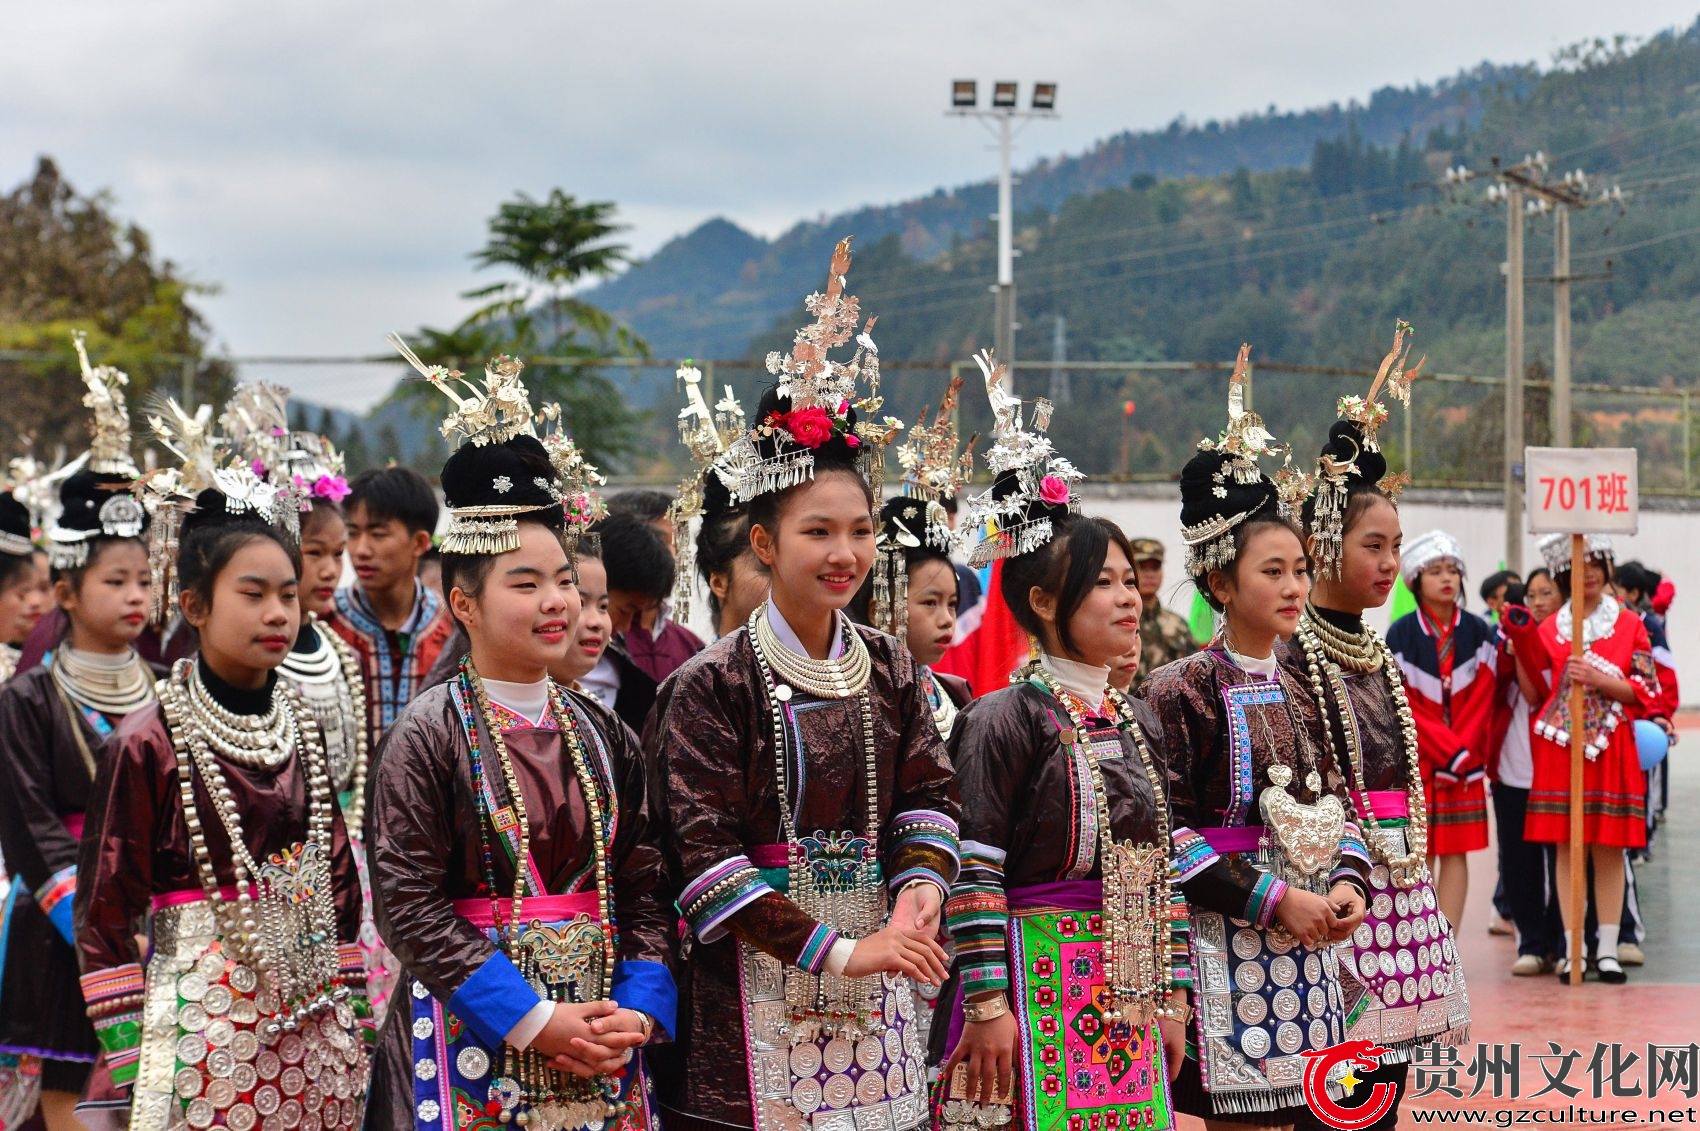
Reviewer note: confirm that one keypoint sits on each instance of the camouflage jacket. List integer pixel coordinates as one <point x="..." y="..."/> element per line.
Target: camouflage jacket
<point x="1164" y="637"/>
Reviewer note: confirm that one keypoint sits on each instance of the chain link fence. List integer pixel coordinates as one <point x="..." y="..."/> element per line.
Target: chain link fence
<point x="1118" y="422"/>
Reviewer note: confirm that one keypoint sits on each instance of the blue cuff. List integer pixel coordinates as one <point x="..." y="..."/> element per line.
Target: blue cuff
<point x="494" y="1000"/>
<point x="55" y="897"/>
<point x="648" y="988"/>
<point x="63" y="921"/>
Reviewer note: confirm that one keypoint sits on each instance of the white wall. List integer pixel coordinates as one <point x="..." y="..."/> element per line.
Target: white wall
<point x="1669" y="541"/>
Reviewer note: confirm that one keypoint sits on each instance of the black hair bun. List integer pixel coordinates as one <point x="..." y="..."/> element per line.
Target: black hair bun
<point x="82" y="496"/>
<point x="1209" y="490"/>
<point x="1346" y="444"/>
<point x="834" y="451"/>
<point x="716" y="496"/>
<point x="908" y="526"/>
<point x="514" y="473"/>
<point x="14" y="518"/>
<point x="1008" y="485"/>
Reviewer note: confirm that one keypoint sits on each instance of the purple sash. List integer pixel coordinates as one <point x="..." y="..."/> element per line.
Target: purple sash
<point x="1236" y="838"/>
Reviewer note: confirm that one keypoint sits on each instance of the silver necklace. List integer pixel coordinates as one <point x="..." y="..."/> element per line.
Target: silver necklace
<point x="318" y="666"/>
<point x="835" y="878"/>
<point x="944" y="715"/>
<point x="261" y="742"/>
<point x="328" y="678"/>
<point x="287" y="931"/>
<point x="109" y="690"/>
<point x="824" y="679"/>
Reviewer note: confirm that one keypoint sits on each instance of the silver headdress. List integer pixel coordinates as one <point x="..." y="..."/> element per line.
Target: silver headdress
<point x="1223" y="485"/>
<point x="1352" y="453"/>
<point x="707" y="436"/>
<point x="577" y="481"/>
<point x="1426" y="549"/>
<point x="96" y="494"/>
<point x="819" y="398"/>
<point x="933" y="471"/>
<point x="487" y="480"/>
<point x="109" y="447"/>
<point x="204" y="462"/>
<point x="1032" y="484"/>
<point x="1555" y="551"/>
<point x="255" y="426"/>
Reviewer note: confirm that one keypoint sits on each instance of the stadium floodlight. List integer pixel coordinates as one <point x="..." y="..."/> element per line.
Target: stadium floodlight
<point x="1003" y="95"/>
<point x="964" y="94"/>
<point x="1044" y="96"/>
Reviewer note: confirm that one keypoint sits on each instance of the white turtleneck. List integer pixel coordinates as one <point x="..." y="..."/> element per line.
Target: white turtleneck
<point x="1254" y="665"/>
<point x="530" y="701"/>
<point x="1088" y="681"/>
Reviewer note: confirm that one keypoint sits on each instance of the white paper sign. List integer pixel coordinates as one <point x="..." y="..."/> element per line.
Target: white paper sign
<point x="1582" y="490"/>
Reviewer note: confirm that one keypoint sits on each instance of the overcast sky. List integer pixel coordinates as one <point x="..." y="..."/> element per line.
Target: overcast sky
<point x="331" y="165"/>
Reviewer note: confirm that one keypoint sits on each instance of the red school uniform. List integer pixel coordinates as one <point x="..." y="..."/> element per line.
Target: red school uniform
<point x="1451" y="675"/>
<point x="1614" y="789"/>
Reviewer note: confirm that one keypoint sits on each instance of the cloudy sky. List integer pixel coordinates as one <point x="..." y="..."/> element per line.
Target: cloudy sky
<point x="330" y="165"/>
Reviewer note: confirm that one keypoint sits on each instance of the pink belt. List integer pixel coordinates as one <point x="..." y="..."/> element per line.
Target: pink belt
<point x="191" y="895"/>
<point x="1389" y="803"/>
<point x="74" y="823"/>
<point x="548" y="908"/>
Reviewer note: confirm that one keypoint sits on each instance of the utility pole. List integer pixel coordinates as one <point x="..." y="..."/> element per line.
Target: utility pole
<point x="1561" y="199"/>
<point x="1561" y="325"/>
<point x="1513" y="476"/>
<point x="1060" y="391"/>
<point x="1524" y="190"/>
<point x="1000" y="117"/>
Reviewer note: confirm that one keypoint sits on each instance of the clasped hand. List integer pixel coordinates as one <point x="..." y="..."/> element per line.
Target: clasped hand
<point x="908" y="943"/>
<point x="594" y="1038"/>
<point x="1316" y="920"/>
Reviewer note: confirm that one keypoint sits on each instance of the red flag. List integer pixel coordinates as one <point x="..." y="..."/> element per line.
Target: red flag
<point x="990" y="652"/>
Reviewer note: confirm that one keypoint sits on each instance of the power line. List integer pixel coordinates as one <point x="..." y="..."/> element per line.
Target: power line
<point x="1681" y="234"/>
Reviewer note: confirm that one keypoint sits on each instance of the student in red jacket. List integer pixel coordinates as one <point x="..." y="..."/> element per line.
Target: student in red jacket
<point x="1449" y="659"/>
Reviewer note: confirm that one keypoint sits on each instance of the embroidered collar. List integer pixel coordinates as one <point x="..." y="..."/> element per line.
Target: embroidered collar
<point x="509" y="720"/>
<point x="353" y="600"/>
<point x="1598" y="625"/>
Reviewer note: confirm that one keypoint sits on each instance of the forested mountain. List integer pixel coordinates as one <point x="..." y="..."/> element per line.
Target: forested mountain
<point x="1311" y="262"/>
<point x="706" y="293"/>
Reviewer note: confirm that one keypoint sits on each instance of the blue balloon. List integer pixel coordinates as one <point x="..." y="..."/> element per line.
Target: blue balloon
<point x="1651" y="742"/>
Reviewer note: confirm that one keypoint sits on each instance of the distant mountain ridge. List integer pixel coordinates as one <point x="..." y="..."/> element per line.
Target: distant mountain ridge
<point x="708" y="293"/>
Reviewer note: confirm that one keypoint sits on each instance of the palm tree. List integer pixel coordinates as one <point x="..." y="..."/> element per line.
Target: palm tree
<point x="553" y="246"/>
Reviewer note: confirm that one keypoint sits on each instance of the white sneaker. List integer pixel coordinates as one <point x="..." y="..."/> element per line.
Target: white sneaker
<point x="1630" y="954"/>
<point x="1529" y="966"/>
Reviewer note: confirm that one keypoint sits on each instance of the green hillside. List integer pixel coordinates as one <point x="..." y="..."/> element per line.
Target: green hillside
<point x="1313" y="266"/>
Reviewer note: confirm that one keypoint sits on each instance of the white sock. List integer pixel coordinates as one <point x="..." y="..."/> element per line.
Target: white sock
<point x="1608" y="941"/>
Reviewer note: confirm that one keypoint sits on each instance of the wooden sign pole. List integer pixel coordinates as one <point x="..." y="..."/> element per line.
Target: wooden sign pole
<point x="1578" y="851"/>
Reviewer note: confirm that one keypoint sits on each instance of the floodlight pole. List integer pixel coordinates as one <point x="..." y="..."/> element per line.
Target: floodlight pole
<point x="1001" y="120"/>
<point x="1004" y="329"/>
